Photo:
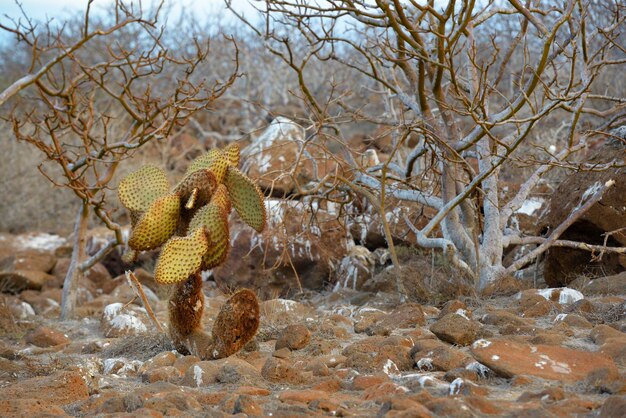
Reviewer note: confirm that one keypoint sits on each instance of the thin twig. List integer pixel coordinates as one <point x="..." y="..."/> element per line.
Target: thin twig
<point x="138" y="289"/>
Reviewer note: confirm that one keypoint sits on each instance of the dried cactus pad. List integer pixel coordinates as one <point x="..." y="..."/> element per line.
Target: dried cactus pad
<point x="157" y="224"/>
<point x="246" y="197"/>
<point x="202" y="183"/>
<point x="215" y="220"/>
<point x="232" y="154"/>
<point x="140" y="189"/>
<point x="181" y="257"/>
<point x="236" y="324"/>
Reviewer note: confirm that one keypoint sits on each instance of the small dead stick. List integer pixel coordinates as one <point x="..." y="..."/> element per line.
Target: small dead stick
<point x="138" y="289"/>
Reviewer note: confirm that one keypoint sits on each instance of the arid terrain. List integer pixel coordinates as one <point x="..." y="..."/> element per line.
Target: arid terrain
<point x="538" y="352"/>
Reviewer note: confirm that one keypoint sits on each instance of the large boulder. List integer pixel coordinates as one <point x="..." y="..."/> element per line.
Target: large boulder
<point x="281" y="159"/>
<point x="563" y="265"/>
<point x="298" y="248"/>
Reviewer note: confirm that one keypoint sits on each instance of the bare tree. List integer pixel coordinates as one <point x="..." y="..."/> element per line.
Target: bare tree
<point x="477" y="83"/>
<point x="95" y="91"/>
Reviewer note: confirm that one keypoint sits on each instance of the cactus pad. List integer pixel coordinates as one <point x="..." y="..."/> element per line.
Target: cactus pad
<point x="236" y="324"/>
<point x="181" y="257"/>
<point x="246" y="197"/>
<point x="138" y="190"/>
<point x="157" y="224"/>
<point x="196" y="188"/>
<point x="215" y="220"/>
<point x="221" y="198"/>
<point x="231" y="153"/>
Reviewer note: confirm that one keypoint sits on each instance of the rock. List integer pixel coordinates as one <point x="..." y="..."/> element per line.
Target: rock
<point x="279" y="164"/>
<point x="166" y="358"/>
<point x="164" y="373"/>
<point x="504" y="286"/>
<point x="201" y="374"/>
<point x="442" y="358"/>
<point x="246" y="404"/>
<point x="601" y="334"/>
<point x="454" y="306"/>
<point x="609" y="285"/>
<point x="573" y="320"/>
<point x="298" y="248"/>
<point x="293" y="337"/>
<point x="502" y="318"/>
<point x="28" y="260"/>
<point x="279" y="370"/>
<point x="61" y="388"/>
<point x="563" y="295"/>
<point x="185" y="362"/>
<point x="46" y="337"/>
<point x="539" y="309"/>
<point x="508" y="359"/>
<point x="373" y="354"/>
<point x="456" y="329"/>
<point x="118" y="323"/>
<point x="27" y="408"/>
<point x="97" y="275"/>
<point x="408" y="315"/>
<point x="562" y="265"/>
<point x="614" y="406"/>
<point x="19" y="280"/>
<point x="235" y="370"/>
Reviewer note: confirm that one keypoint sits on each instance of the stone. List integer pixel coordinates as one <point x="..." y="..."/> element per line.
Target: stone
<point x="509" y="359"/>
<point x="27" y="408"/>
<point x="201" y="374"/>
<point x="298" y="248"/>
<point x="614" y="406"/>
<point x="600" y="334"/>
<point x="236" y="370"/>
<point x="373" y="354"/>
<point x="293" y="337"/>
<point x="454" y="306"/>
<point x="573" y="320"/>
<point x="279" y="370"/>
<point x="61" y="388"/>
<point x="164" y="373"/>
<point x="118" y="322"/>
<point x="562" y="265"/>
<point x="539" y="309"/>
<point x="502" y="318"/>
<point x="28" y="260"/>
<point x="246" y="404"/>
<point x="45" y="337"/>
<point x="407" y="315"/>
<point x="456" y="329"/>
<point x="273" y="159"/>
<point x="442" y="358"/>
<point x="609" y="285"/>
<point x="18" y="280"/>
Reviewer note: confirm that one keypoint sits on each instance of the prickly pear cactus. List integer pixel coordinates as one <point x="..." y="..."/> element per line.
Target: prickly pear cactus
<point x="203" y="198"/>
<point x="190" y="224"/>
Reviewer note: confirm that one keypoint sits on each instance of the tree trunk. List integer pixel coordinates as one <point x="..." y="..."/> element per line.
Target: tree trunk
<point x="74" y="273"/>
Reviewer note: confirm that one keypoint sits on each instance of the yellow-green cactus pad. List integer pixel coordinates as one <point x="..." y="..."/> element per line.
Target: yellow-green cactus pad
<point x="246" y="197"/>
<point x="214" y="160"/>
<point x="181" y="257"/>
<point x="221" y="198"/>
<point x="231" y="153"/>
<point x="196" y="188"/>
<point x="140" y="189"/>
<point x="215" y="221"/>
<point x="157" y="224"/>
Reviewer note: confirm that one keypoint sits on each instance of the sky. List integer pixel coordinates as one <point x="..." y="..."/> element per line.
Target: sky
<point x="59" y="9"/>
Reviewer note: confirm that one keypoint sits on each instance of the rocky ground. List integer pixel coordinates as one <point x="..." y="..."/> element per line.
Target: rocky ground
<point x="538" y="352"/>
